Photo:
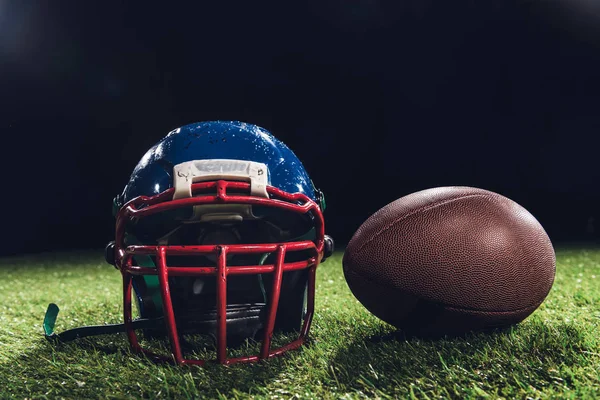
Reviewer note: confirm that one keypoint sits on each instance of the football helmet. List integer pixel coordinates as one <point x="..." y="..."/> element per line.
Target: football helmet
<point x="219" y="232"/>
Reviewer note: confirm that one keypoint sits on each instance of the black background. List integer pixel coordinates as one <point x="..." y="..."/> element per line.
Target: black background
<point x="379" y="99"/>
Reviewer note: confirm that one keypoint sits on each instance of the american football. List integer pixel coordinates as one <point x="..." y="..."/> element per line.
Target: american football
<point x="450" y="260"/>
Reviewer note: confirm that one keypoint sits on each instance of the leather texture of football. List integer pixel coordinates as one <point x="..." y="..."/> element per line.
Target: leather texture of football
<point x="449" y="260"/>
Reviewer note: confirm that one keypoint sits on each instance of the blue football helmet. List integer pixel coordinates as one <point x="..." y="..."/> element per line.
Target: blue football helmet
<point x="218" y="232"/>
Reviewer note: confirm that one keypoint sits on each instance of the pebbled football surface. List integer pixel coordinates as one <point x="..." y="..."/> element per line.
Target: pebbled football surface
<point x="449" y="260"/>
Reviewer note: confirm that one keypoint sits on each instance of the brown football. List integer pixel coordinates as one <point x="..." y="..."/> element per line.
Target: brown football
<point x="449" y="260"/>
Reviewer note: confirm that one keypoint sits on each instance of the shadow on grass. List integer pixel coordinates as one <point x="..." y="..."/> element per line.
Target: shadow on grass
<point x="103" y="367"/>
<point x="530" y="354"/>
<point x="521" y="357"/>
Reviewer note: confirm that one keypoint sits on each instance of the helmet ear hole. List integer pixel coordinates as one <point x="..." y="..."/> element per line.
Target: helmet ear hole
<point x="329" y="247"/>
<point x="109" y="253"/>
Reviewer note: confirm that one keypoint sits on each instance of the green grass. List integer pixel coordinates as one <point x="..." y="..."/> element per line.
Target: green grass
<point x="555" y="353"/>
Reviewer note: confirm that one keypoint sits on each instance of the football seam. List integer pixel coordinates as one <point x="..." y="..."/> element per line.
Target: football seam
<point x="447" y="306"/>
<point x="493" y="312"/>
<point x="426" y="208"/>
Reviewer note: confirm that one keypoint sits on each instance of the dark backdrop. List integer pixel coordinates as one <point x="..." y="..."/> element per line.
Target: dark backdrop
<point x="379" y="99"/>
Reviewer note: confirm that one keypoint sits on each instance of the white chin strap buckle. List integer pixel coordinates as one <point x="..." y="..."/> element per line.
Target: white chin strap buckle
<point x="189" y="172"/>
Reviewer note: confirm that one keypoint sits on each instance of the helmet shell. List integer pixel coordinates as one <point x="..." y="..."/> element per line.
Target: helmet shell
<point x="218" y="140"/>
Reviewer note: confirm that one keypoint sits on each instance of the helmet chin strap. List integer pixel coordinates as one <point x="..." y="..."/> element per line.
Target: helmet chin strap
<point x="243" y="321"/>
<point x="92" y="330"/>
